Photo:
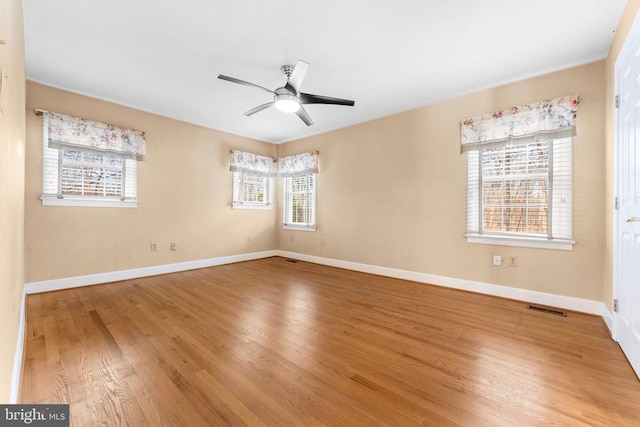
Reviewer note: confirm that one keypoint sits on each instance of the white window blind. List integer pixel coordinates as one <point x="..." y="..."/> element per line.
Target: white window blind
<point x="252" y="182"/>
<point x="300" y="201"/>
<point x="91" y="174"/>
<point x="252" y="191"/>
<point x="520" y="190"/>
<point x="299" y="173"/>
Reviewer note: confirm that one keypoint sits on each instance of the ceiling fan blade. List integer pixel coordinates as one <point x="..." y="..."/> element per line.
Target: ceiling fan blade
<point x="302" y="113"/>
<point x="242" y="82"/>
<point x="258" y="109"/>
<point x="308" y="98"/>
<point x="297" y="76"/>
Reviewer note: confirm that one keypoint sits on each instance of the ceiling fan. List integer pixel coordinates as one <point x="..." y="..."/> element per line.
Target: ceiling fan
<point x="288" y="98"/>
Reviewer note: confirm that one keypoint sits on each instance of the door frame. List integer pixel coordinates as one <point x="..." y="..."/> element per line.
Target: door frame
<point x="625" y="50"/>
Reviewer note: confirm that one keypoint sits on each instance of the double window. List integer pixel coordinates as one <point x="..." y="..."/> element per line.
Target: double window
<point x="253" y="177"/>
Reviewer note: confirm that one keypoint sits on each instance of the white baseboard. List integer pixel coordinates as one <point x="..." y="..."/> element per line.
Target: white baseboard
<point x="115" y="276"/>
<point x="17" y="358"/>
<point x="608" y="320"/>
<point x="559" y="301"/>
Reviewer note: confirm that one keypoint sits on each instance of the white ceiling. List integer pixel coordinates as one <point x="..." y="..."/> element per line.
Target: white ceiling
<point x="164" y="56"/>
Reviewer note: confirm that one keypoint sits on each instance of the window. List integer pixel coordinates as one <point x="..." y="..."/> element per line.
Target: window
<point x="520" y="191"/>
<point x="300" y="201"/>
<point x="251" y="191"/>
<point x="252" y="180"/>
<point x="91" y="174"/>
<point x="74" y="174"/>
<point x="519" y="175"/>
<point x="299" y="173"/>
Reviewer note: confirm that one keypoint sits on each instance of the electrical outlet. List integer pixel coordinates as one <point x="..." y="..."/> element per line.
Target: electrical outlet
<point x="173" y="246"/>
<point x="322" y="241"/>
<point x="154" y="246"/>
<point x="291" y="237"/>
<point x="513" y="261"/>
<point x="497" y="260"/>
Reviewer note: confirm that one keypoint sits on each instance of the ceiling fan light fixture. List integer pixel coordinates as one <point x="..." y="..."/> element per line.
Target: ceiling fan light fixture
<point x="287" y="103"/>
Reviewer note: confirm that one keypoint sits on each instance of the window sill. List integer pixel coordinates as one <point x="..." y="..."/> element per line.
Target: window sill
<point x="50" y="200"/>
<point x="251" y="206"/>
<point x="526" y="242"/>
<point x="299" y="227"/>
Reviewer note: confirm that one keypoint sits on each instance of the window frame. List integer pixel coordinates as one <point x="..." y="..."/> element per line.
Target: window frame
<point x="237" y="203"/>
<point x="310" y="194"/>
<point x="52" y="168"/>
<point x="557" y="161"/>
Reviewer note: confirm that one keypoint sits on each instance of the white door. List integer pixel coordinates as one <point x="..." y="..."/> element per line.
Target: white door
<point x="627" y="260"/>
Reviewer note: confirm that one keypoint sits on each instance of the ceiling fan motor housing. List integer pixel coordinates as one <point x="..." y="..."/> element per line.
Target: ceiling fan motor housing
<point x="286" y="101"/>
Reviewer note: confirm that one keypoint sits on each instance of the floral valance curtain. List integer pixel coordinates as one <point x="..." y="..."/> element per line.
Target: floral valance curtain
<point x="552" y="118"/>
<point x="74" y="132"/>
<point x="298" y="164"/>
<point x="242" y="161"/>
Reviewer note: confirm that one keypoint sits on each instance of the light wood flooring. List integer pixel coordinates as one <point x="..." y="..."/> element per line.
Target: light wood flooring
<point x="272" y="342"/>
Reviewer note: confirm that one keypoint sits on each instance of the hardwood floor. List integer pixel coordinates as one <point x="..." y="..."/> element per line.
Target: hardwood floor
<point x="271" y="342"/>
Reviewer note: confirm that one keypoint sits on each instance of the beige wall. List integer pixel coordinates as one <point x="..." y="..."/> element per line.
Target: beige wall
<point x="12" y="145"/>
<point x="391" y="192"/>
<point x="184" y="190"/>
<point x="633" y="6"/>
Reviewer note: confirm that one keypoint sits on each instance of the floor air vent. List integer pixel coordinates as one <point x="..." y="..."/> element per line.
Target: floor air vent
<point x="292" y="260"/>
<point x="547" y="310"/>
